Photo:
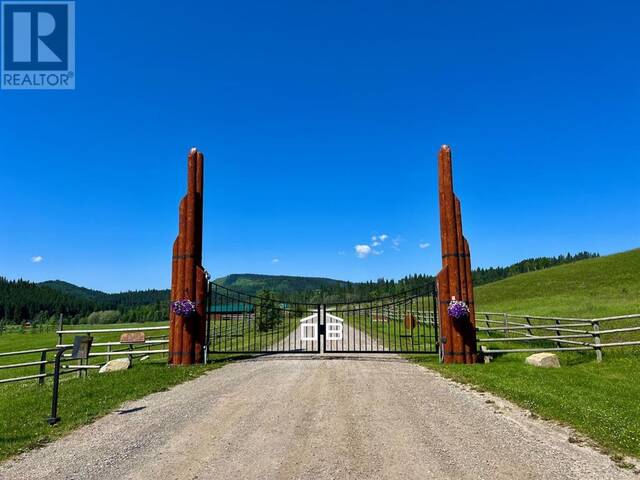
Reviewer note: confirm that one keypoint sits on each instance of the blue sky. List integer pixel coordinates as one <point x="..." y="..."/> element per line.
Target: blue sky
<point x="320" y="123"/>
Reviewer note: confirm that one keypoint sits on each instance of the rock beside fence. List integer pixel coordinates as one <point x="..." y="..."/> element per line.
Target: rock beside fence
<point x="544" y="360"/>
<point x="115" y="365"/>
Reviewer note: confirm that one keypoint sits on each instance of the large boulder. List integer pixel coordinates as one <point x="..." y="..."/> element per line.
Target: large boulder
<point x="115" y="365"/>
<point x="544" y="360"/>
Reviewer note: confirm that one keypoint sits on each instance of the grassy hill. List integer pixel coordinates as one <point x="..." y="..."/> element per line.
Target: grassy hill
<point x="74" y="290"/>
<point x="592" y="287"/>
<point x="252" y="283"/>
<point x="596" y="287"/>
<point x="109" y="300"/>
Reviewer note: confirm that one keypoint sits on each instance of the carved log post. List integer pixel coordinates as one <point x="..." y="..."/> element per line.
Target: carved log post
<point x="188" y="282"/>
<point x="458" y="337"/>
<point x="201" y="276"/>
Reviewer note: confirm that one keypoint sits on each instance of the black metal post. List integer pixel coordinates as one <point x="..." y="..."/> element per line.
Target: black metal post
<point x="207" y="319"/>
<point x="54" y="418"/>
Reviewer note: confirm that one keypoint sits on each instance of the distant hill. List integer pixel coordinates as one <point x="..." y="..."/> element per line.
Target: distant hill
<point x="74" y="290"/>
<point x="595" y="287"/>
<point x="493" y="274"/>
<point x="23" y="300"/>
<point x="132" y="298"/>
<point x="252" y="283"/>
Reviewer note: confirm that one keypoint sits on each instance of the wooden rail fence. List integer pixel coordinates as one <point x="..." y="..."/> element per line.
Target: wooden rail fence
<point x="549" y="334"/>
<point x="151" y="346"/>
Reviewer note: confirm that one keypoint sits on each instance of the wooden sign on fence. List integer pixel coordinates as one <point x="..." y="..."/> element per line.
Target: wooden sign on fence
<point x="132" y="337"/>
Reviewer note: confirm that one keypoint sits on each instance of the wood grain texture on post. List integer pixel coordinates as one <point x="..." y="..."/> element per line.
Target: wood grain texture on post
<point x="188" y="281"/>
<point x="454" y="282"/>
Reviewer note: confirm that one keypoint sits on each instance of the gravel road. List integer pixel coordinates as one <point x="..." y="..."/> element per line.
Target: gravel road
<point x="316" y="417"/>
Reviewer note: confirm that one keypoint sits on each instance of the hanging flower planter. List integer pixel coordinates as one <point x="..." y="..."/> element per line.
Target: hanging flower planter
<point x="458" y="309"/>
<point x="184" y="308"/>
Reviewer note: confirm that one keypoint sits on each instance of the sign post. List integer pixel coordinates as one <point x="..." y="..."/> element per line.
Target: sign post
<point x="81" y="348"/>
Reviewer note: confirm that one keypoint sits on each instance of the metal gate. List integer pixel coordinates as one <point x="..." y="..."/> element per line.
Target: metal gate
<point x="402" y="323"/>
<point x="242" y="323"/>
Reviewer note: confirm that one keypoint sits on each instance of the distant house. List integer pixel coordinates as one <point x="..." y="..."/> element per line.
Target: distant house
<point x="231" y="311"/>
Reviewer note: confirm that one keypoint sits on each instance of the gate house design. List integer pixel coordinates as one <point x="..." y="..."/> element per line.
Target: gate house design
<point x="227" y="321"/>
<point x="242" y="323"/>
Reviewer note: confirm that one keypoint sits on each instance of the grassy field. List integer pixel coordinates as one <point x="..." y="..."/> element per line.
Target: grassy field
<point x="598" y="400"/>
<point x="597" y="287"/>
<point x="388" y="335"/>
<point x="241" y="335"/>
<point x="24" y="406"/>
<point x="32" y="339"/>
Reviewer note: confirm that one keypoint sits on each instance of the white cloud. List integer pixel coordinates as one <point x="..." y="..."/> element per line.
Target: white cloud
<point x="37" y="259"/>
<point x="395" y="243"/>
<point x="275" y="260"/>
<point x="424" y="245"/>
<point x="362" y="251"/>
<point x="341" y="252"/>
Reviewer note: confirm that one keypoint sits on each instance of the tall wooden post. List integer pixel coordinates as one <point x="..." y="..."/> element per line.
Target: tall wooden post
<point x="188" y="277"/>
<point x="457" y="337"/>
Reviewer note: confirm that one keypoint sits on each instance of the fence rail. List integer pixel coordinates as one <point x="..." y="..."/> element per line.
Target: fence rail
<point x="550" y="334"/>
<point x="151" y="346"/>
<point x="41" y="364"/>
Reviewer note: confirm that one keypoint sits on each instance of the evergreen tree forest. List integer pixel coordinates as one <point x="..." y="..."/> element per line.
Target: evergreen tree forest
<point x="22" y="301"/>
<point x="345" y="292"/>
<point x="493" y="274"/>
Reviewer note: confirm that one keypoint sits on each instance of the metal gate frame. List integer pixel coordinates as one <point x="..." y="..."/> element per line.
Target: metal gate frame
<point x="419" y="304"/>
<point x="233" y="320"/>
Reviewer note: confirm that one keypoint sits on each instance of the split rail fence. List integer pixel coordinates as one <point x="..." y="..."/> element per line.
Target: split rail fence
<point x="39" y="358"/>
<point x="508" y="333"/>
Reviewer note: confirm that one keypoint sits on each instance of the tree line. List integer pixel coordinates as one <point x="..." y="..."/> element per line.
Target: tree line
<point x="385" y="287"/>
<point x="487" y="275"/>
<point x="21" y="300"/>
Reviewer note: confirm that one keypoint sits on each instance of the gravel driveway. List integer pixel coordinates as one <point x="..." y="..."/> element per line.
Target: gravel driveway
<point x="316" y="417"/>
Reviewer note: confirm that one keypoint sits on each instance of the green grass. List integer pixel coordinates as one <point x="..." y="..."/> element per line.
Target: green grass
<point x="598" y="400"/>
<point x="389" y="335"/>
<point x="25" y="406"/>
<point x="32" y="339"/>
<point x="597" y="287"/>
<point x="241" y="335"/>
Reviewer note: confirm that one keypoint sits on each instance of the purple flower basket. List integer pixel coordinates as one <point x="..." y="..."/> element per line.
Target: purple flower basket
<point x="184" y="308"/>
<point x="458" y="310"/>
